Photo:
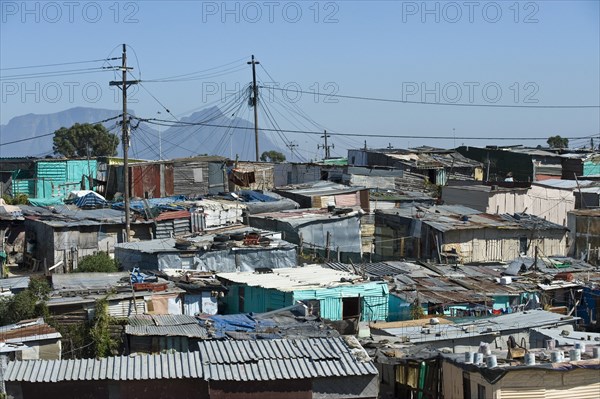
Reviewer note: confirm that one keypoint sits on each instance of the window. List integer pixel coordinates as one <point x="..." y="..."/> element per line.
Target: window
<point x="523" y="245"/>
<point x="480" y="391"/>
<point x="466" y="386"/>
<point x="350" y="307"/>
<point x="197" y="173"/>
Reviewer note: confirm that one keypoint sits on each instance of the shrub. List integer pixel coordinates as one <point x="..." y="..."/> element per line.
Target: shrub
<point x="99" y="262"/>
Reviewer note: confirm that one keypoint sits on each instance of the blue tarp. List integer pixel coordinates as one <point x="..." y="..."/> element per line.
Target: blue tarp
<point x="238" y="323"/>
<point x="255" y="196"/>
<point x="90" y="200"/>
<point x="163" y="204"/>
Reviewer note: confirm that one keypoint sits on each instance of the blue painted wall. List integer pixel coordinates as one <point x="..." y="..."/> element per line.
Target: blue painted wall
<point x="374" y="299"/>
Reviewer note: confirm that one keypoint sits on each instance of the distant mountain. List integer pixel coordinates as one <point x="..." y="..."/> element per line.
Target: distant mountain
<point x="218" y="134"/>
<point x="33" y="125"/>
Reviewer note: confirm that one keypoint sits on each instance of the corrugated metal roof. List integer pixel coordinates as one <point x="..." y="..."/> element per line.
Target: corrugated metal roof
<point x="161" y="320"/>
<point x="319" y="188"/>
<point x="217" y="360"/>
<point x="266" y="360"/>
<point x="123" y="368"/>
<point x="166" y="325"/>
<point x="379" y="269"/>
<point x="486" y="326"/>
<point x="457" y="217"/>
<point x="14" y="283"/>
<point x="184" y="330"/>
<point x="28" y="330"/>
<point x="571" y="337"/>
<point x="293" y="278"/>
<point x="88" y="281"/>
<point x="173" y="215"/>
<point x="564" y="184"/>
<point x="299" y="217"/>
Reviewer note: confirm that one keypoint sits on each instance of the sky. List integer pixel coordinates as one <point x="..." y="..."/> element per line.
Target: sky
<point x="462" y="59"/>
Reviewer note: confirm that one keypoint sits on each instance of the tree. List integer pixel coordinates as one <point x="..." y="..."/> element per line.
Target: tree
<point x="99" y="262"/>
<point x="27" y="304"/>
<point x="103" y="343"/>
<point x="82" y="140"/>
<point x="416" y="310"/>
<point x="558" y="142"/>
<point x="272" y="156"/>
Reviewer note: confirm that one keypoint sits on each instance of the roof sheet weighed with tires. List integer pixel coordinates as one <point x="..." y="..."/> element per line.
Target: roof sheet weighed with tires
<point x="217" y="360"/>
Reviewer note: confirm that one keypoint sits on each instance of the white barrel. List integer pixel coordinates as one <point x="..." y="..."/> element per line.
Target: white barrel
<point x="491" y="361"/>
<point x="478" y="359"/>
<point x="468" y="357"/>
<point x="575" y="354"/>
<point x="529" y="359"/>
<point x="580" y="346"/>
<point x="597" y="352"/>
<point x="556" y="356"/>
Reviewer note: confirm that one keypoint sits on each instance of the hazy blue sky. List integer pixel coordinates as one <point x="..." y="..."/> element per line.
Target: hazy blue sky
<point x="479" y="52"/>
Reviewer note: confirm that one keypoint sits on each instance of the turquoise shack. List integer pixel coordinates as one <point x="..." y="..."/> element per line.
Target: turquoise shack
<point x="334" y="294"/>
<point x="55" y="178"/>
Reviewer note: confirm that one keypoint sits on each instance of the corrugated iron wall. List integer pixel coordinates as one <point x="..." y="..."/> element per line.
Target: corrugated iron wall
<point x="152" y="180"/>
<point x="56" y="179"/>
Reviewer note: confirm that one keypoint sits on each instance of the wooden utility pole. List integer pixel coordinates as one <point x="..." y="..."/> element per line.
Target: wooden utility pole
<point x="254" y="102"/>
<point x="124" y="83"/>
<point x="326" y="146"/>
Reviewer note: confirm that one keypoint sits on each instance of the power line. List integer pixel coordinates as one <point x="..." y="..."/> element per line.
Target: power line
<point x="58" y="64"/>
<point x="391" y="100"/>
<point x="177" y="77"/>
<point x="52" y="74"/>
<point x="163" y="122"/>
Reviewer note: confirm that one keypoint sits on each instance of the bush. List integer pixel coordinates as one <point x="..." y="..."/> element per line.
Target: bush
<point x="99" y="262"/>
<point x="19" y="199"/>
<point x="27" y="304"/>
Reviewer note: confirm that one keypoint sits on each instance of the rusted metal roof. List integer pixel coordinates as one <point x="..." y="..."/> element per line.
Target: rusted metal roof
<point x="28" y="330"/>
<point x="173" y="215"/>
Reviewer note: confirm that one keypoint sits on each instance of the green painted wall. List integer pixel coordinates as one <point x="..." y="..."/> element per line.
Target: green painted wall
<point x="55" y="179"/>
<point x="375" y="297"/>
<point x="591" y="168"/>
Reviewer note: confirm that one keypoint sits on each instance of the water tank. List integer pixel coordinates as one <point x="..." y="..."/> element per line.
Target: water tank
<point x="505" y="280"/>
<point x="556" y="356"/>
<point x="478" y="358"/>
<point x="529" y="359"/>
<point x="574" y="355"/>
<point x="491" y="361"/>
<point x="469" y="357"/>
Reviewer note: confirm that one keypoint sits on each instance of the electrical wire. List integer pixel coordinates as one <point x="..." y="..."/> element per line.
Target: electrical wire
<point x="58" y="64"/>
<point x="57" y="73"/>
<point x="169" y="123"/>
<point x="391" y="100"/>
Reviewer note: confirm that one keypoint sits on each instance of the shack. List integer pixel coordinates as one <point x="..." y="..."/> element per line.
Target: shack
<point x="453" y="233"/>
<point x="335" y="368"/>
<point x="333" y="294"/>
<point x="329" y="233"/>
<point x="322" y="194"/>
<point x="203" y="253"/>
<point x="66" y="234"/>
